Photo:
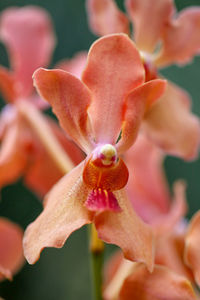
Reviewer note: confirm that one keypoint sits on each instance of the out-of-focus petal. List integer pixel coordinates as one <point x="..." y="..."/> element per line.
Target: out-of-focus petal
<point x="75" y="65"/>
<point x="64" y="212"/>
<point x="172" y="126"/>
<point x="11" y="252"/>
<point x="147" y="186"/>
<point x="28" y="35"/>
<point x="161" y="284"/>
<point x="70" y="99"/>
<point x="137" y="103"/>
<point x="113" y="70"/>
<point x="128" y="231"/>
<point x="184" y="28"/>
<point x="43" y="171"/>
<point x="192" y="250"/>
<point x="170" y="252"/>
<point x="7" y="87"/>
<point x="13" y="159"/>
<point x="164" y="223"/>
<point x="149" y="20"/>
<point x="105" y="18"/>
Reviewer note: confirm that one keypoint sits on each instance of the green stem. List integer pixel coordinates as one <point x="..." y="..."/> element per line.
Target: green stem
<point x="97" y="255"/>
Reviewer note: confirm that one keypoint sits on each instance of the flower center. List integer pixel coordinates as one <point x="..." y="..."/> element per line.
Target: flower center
<point x="104" y="173"/>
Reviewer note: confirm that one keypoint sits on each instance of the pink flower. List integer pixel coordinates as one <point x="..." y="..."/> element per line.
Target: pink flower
<point x="111" y="98"/>
<point x="160" y="35"/>
<point x="11" y="252"/>
<point x="32" y="145"/>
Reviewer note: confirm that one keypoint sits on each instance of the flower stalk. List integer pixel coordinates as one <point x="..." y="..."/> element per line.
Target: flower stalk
<point x="97" y="253"/>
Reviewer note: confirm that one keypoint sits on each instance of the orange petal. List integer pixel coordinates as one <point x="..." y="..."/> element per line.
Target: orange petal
<point x="7" y="87"/>
<point x="149" y="20"/>
<point x="161" y="284"/>
<point x="136" y="104"/>
<point x="28" y="35"/>
<point x="171" y="125"/>
<point x="126" y="230"/>
<point x="64" y="213"/>
<point x="170" y="250"/>
<point x="11" y="252"/>
<point x="69" y="99"/>
<point x="105" y="18"/>
<point x="43" y="171"/>
<point x="13" y="160"/>
<point x="75" y="65"/>
<point x="110" y="80"/>
<point x="192" y="242"/>
<point x="183" y="28"/>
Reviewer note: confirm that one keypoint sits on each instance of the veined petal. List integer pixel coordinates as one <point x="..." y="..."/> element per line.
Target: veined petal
<point x="75" y="65"/>
<point x="64" y="213"/>
<point x="70" y="100"/>
<point x="105" y="18"/>
<point x="192" y="241"/>
<point x="28" y="35"/>
<point x="185" y="27"/>
<point x="149" y="19"/>
<point x="113" y="70"/>
<point x="137" y="103"/>
<point x="127" y="230"/>
<point x="11" y="252"/>
<point x="7" y="87"/>
<point x="171" y="125"/>
<point x="161" y="284"/>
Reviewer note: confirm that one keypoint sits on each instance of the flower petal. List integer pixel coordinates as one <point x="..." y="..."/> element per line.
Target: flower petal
<point x="149" y="20"/>
<point x="161" y="284"/>
<point x="64" y="213"/>
<point x="185" y="27"/>
<point x="28" y="35"/>
<point x="70" y="99"/>
<point x="138" y="101"/>
<point x="13" y="160"/>
<point x="105" y="18"/>
<point x="192" y="241"/>
<point x="126" y="230"/>
<point x="172" y="126"/>
<point x="43" y="171"/>
<point x="75" y="65"/>
<point x="11" y="252"/>
<point x="7" y="86"/>
<point x="113" y="70"/>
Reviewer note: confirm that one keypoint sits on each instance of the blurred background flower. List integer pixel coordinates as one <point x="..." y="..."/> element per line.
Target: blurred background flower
<point x="64" y="274"/>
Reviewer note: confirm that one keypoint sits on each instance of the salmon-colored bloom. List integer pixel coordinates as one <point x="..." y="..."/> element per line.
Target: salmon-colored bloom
<point x="111" y="98"/>
<point x="32" y="145"/>
<point x="160" y="35"/>
<point x="11" y="252"/>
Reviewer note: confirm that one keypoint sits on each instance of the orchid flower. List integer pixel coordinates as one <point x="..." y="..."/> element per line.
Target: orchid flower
<point x="32" y="145"/>
<point x="11" y="252"/>
<point x="148" y="190"/>
<point x="111" y="98"/>
<point x="160" y="35"/>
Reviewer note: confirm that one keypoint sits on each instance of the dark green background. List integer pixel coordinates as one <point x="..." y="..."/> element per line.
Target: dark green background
<point x="64" y="274"/>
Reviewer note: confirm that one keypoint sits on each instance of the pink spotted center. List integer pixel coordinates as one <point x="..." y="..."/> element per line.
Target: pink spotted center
<point x="101" y="200"/>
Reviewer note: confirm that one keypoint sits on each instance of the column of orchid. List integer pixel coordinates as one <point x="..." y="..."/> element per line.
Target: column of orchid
<point x="113" y="104"/>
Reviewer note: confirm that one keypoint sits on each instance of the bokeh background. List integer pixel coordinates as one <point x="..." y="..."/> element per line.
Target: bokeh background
<point x="64" y="274"/>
